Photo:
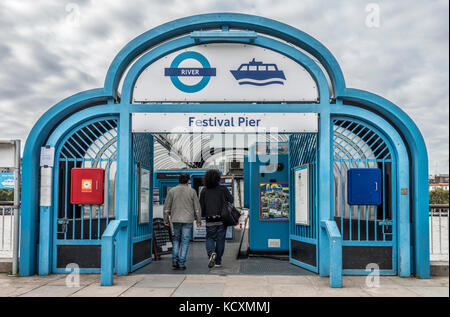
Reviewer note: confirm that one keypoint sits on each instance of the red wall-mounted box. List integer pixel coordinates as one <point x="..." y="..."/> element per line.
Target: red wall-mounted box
<point x="86" y="186"/>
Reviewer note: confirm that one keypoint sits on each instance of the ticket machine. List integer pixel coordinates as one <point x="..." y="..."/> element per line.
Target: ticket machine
<point x="268" y="195"/>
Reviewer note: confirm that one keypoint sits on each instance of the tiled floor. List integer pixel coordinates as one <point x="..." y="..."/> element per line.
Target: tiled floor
<point x="214" y="285"/>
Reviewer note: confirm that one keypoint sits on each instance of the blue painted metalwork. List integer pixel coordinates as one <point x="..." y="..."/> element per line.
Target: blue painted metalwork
<point x="91" y="144"/>
<point x="258" y="24"/>
<point x="335" y="244"/>
<point x="349" y="102"/>
<point x="399" y="151"/>
<point x="30" y="172"/>
<point x="246" y="183"/>
<point x="184" y="42"/>
<point x="419" y="169"/>
<point x="358" y="145"/>
<point x="143" y="158"/>
<point x="107" y="257"/>
<point x="303" y="150"/>
<point x="262" y="228"/>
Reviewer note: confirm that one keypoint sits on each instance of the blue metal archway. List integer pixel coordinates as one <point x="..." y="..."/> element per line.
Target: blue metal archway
<point x="176" y="35"/>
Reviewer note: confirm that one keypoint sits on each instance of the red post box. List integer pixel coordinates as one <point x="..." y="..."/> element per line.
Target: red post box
<point x="87" y="186"/>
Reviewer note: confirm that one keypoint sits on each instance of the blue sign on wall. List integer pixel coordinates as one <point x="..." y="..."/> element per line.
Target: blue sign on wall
<point x="6" y="180"/>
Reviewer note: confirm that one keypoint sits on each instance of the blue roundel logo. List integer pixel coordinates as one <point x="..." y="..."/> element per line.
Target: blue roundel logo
<point x="205" y="72"/>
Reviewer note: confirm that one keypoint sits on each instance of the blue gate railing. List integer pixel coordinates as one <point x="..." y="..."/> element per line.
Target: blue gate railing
<point x="357" y="145"/>
<point x="91" y="145"/>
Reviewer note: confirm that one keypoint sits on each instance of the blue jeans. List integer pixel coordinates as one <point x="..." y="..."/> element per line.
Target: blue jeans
<point x="215" y="241"/>
<point x="181" y="237"/>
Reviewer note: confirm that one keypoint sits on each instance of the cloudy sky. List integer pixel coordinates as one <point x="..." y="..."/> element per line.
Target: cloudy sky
<point x="51" y="49"/>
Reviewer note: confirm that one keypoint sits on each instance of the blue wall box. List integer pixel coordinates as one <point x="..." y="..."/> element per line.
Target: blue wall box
<point x="364" y="186"/>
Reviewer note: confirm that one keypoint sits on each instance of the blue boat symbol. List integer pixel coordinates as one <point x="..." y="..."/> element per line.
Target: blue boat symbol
<point x="258" y="74"/>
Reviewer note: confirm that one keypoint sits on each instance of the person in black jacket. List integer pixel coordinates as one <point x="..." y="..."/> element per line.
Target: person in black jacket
<point x="212" y="199"/>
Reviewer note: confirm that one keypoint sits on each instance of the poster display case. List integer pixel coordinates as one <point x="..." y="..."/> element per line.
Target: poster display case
<point x="274" y="201"/>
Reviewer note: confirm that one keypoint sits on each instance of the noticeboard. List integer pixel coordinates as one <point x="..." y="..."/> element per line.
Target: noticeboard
<point x="144" y="195"/>
<point x="162" y="238"/>
<point x="301" y="185"/>
<point x="274" y="201"/>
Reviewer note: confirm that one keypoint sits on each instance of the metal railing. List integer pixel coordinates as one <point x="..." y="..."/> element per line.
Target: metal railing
<point x="6" y="230"/>
<point x="439" y="237"/>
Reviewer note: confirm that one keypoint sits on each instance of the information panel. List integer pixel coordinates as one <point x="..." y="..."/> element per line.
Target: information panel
<point x="276" y="122"/>
<point x="301" y="184"/>
<point x="274" y="201"/>
<point x="144" y="195"/>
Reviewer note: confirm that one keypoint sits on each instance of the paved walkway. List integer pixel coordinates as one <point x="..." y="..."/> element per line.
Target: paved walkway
<point x="214" y="285"/>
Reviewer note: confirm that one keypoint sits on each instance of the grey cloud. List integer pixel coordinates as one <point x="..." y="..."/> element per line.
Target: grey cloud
<point x="43" y="59"/>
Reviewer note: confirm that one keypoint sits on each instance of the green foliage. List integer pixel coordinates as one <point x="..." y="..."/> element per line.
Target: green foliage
<point x="439" y="196"/>
<point x="6" y="194"/>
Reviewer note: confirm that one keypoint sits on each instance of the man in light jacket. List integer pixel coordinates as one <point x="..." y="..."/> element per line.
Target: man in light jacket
<point x="181" y="208"/>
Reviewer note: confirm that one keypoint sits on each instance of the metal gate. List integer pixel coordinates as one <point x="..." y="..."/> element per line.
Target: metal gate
<point x="78" y="229"/>
<point x="142" y="200"/>
<point x="303" y="246"/>
<point x="368" y="231"/>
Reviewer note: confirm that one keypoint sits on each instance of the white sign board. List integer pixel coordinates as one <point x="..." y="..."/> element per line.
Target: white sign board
<point x="301" y="185"/>
<point x="7" y="154"/>
<point x="225" y="72"/>
<point x="224" y="122"/>
<point x="47" y="156"/>
<point x="199" y="233"/>
<point x="46" y="187"/>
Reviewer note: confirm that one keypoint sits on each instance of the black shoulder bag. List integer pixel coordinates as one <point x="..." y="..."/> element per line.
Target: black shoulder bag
<point x="230" y="215"/>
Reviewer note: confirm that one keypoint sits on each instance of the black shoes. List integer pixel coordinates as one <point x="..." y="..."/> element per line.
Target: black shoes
<point x="175" y="266"/>
<point x="212" y="259"/>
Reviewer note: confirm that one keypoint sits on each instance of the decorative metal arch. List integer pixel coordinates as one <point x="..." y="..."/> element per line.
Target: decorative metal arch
<point x="108" y="97"/>
<point x="92" y="144"/>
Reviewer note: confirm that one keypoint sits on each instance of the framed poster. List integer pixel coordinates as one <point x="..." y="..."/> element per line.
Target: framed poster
<point x="144" y="195"/>
<point x="301" y="185"/>
<point x="274" y="201"/>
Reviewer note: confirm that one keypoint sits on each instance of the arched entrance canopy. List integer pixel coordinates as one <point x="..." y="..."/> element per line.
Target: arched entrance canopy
<point x="175" y="35"/>
<point x="183" y="26"/>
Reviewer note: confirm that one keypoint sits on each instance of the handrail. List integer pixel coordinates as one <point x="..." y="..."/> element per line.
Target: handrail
<point x="107" y="251"/>
<point x="335" y="240"/>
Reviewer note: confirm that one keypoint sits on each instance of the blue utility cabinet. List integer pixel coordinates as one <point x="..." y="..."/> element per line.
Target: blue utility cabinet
<point x="364" y="186"/>
<point x="268" y="180"/>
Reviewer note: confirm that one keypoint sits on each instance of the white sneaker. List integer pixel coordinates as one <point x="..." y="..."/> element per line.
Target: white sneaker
<point x="212" y="258"/>
<point x="217" y="265"/>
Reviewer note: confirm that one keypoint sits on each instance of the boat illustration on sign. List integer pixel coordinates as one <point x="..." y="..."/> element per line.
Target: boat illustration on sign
<point x="258" y="74"/>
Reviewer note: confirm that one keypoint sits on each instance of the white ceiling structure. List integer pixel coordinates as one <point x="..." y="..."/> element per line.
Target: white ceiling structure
<point x="176" y="151"/>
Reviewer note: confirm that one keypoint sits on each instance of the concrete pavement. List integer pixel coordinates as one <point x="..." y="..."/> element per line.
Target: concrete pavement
<point x="215" y="285"/>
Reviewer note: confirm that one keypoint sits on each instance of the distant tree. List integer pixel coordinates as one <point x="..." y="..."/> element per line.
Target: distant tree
<point x="439" y="196"/>
<point x="6" y="195"/>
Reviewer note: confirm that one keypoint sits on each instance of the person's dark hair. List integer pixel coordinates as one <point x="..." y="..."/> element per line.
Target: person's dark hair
<point x="211" y="178"/>
<point x="184" y="178"/>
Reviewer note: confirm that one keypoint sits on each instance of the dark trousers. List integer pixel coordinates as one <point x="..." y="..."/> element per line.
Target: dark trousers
<point x="215" y="241"/>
